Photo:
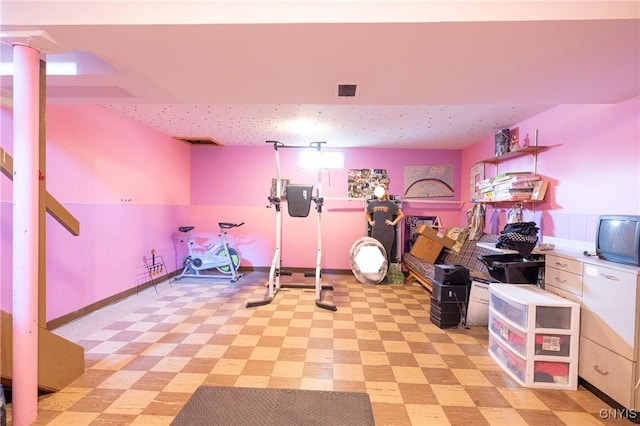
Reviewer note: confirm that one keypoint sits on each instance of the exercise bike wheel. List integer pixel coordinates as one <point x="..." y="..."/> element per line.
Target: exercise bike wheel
<point x="235" y="259"/>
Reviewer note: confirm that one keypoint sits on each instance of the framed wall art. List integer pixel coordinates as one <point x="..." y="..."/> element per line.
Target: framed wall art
<point x="361" y="182"/>
<point x="428" y="181"/>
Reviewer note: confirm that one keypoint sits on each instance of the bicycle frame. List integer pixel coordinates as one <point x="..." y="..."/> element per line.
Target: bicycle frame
<point x="219" y="255"/>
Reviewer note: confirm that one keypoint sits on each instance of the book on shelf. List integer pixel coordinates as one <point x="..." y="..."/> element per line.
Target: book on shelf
<point x="511" y="197"/>
<point x="485" y="183"/>
<point x="511" y="176"/>
<point x="518" y="179"/>
<point x="507" y="174"/>
<point x="527" y="184"/>
<point x="521" y="192"/>
<point x="539" y="190"/>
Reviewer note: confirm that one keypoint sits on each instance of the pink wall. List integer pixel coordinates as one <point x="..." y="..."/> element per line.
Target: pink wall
<point x="233" y="183"/>
<point x="126" y="184"/>
<point x="592" y="164"/>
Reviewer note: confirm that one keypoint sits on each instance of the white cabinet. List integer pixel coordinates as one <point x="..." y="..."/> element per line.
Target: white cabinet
<point x="609" y="294"/>
<point x="610" y="328"/>
<point x="533" y="335"/>
<point x="563" y="276"/>
<point x="611" y="373"/>
<point x="610" y="302"/>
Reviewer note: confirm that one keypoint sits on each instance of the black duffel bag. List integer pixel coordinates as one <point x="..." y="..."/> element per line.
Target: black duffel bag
<point x="519" y="236"/>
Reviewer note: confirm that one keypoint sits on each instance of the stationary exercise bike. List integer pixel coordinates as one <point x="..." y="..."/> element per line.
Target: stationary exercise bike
<point x="220" y="255"/>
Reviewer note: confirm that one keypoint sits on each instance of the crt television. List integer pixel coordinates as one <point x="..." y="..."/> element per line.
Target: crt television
<point x="618" y="239"/>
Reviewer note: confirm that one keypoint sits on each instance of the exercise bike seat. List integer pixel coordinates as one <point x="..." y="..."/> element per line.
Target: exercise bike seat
<point x="229" y="225"/>
<point x="186" y="228"/>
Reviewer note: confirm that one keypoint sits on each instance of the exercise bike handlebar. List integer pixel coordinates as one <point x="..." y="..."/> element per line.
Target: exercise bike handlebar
<point x="228" y="225"/>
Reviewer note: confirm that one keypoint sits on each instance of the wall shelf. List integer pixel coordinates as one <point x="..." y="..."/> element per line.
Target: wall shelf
<point x="428" y="201"/>
<point x="403" y="200"/>
<point x="508" y="202"/>
<point x="539" y="189"/>
<point x="529" y="150"/>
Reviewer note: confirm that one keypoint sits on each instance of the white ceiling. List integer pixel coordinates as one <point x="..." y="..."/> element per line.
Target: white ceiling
<point x="429" y="74"/>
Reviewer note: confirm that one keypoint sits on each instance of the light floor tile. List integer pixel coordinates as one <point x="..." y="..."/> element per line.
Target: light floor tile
<point x="469" y="377"/>
<point x="348" y="372"/>
<point x="63" y="399"/>
<point x="72" y="418"/>
<point x="452" y="396"/>
<point x="185" y="382"/>
<point x="502" y="416"/>
<point x="131" y="402"/>
<point x="122" y="379"/>
<point x="521" y="398"/>
<point x="427" y="415"/>
<point x="408" y="374"/>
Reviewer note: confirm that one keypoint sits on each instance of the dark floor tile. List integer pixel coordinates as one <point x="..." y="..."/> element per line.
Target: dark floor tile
<point x="557" y="400"/>
<point x="96" y="401"/>
<point x="499" y="379"/>
<point x="402" y="359"/>
<point x="153" y="381"/>
<point x="390" y="414"/>
<point x="459" y="362"/>
<point x="440" y="376"/>
<point x="540" y="417"/>
<point x="486" y="396"/>
<point x="465" y="416"/>
<point x="143" y="363"/>
<point x="378" y="373"/>
<point x="413" y="393"/>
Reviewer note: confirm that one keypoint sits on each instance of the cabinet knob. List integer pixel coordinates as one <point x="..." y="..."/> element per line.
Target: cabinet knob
<point x="599" y="371"/>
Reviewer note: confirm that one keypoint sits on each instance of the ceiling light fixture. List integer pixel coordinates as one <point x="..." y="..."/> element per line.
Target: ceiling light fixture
<point x="301" y="126"/>
<point x="53" y="68"/>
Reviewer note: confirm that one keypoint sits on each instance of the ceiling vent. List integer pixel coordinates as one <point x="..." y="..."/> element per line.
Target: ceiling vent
<point x="198" y="140"/>
<point x="346" y="89"/>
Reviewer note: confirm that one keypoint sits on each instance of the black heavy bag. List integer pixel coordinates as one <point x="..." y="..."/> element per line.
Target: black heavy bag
<point x="299" y="200"/>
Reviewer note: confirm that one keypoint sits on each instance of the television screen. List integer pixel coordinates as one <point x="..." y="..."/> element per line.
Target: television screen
<point x="618" y="239"/>
<point x="619" y="236"/>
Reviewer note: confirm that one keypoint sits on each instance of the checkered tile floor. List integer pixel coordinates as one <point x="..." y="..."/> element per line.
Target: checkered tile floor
<point x="147" y="354"/>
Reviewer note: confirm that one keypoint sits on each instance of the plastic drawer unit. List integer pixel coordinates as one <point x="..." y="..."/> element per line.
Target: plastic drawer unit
<point x="534" y="335"/>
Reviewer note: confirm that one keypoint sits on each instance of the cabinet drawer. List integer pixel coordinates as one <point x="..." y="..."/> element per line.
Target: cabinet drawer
<point x="508" y="360"/>
<point x="563" y="293"/>
<point x="608" y="371"/>
<point x="515" y="339"/>
<point x="552" y="344"/>
<point x="560" y="317"/>
<point x="532" y="373"/>
<point x="567" y="281"/>
<point x="513" y="311"/>
<point x="563" y="264"/>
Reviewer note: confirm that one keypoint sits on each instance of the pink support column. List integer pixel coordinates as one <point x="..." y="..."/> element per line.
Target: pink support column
<point x="25" y="234"/>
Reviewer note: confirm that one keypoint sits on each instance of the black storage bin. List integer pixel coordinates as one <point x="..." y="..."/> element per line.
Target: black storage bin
<point x="513" y="268"/>
<point x="445" y="314"/>
<point x="448" y="293"/>
<point x="451" y="274"/>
